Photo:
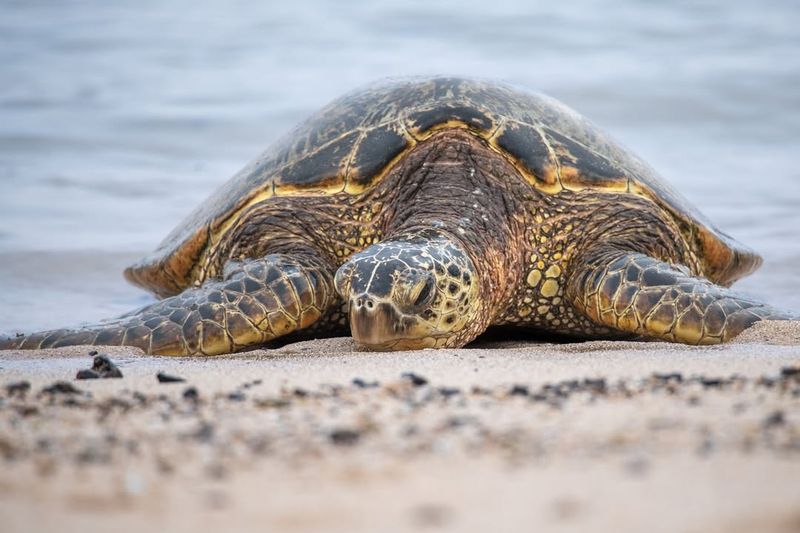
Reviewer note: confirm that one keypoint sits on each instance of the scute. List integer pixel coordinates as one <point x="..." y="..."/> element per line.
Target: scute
<point x="375" y="151"/>
<point x="348" y="144"/>
<point x="529" y="147"/>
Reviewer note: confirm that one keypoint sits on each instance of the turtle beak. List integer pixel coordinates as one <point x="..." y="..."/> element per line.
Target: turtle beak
<point x="374" y="324"/>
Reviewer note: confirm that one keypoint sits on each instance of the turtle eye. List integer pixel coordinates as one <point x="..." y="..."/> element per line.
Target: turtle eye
<point x="415" y="289"/>
<point x="425" y="292"/>
<point x="343" y="279"/>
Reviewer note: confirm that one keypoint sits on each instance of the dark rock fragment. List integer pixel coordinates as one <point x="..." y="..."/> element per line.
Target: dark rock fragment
<point x="168" y="378"/>
<point x="791" y="372"/>
<point x="237" y="396"/>
<point x="358" y="382"/>
<point x="672" y="376"/>
<point x="711" y="382"/>
<point x="105" y="368"/>
<point x="191" y="394"/>
<point x="61" y="387"/>
<point x="774" y="420"/>
<point x="102" y="367"/>
<point x="18" y="388"/>
<point x="519" y="390"/>
<point x="345" y="437"/>
<point x="415" y="379"/>
<point x="595" y="385"/>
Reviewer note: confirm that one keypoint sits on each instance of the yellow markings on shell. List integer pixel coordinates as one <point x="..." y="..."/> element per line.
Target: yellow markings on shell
<point x="553" y="272"/>
<point x="446" y="125"/>
<point x="524" y="311"/>
<point x="534" y="277"/>
<point x="549" y="288"/>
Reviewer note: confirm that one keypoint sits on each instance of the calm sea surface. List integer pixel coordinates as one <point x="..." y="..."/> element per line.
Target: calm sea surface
<point x="117" y="118"/>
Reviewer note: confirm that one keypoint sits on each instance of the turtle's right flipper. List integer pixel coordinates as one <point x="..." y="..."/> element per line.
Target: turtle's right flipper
<point x="257" y="302"/>
<point x="635" y="293"/>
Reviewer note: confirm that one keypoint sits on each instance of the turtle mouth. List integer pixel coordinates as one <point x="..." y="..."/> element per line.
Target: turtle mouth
<point x="380" y="326"/>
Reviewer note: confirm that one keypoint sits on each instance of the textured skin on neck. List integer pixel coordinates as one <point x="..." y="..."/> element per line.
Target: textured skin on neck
<point x="453" y="184"/>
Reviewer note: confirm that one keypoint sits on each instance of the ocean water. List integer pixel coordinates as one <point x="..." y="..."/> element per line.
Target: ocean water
<point x="117" y="118"/>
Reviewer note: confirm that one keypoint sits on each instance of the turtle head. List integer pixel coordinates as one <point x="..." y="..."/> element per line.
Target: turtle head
<point x="410" y="293"/>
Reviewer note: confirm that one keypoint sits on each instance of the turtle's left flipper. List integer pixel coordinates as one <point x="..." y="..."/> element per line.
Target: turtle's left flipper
<point x="638" y="294"/>
<point x="257" y="302"/>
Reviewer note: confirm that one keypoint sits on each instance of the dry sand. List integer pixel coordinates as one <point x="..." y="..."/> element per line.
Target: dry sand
<point x="501" y="436"/>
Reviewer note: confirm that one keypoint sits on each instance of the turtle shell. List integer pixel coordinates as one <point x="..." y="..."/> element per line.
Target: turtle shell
<point x="350" y="144"/>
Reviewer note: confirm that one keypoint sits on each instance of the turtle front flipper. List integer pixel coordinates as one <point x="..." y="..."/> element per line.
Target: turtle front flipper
<point x="256" y="302"/>
<point x="638" y="294"/>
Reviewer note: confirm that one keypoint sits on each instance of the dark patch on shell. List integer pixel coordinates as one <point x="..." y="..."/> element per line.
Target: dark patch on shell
<point x="592" y="168"/>
<point x="321" y="165"/>
<point x="374" y="152"/>
<point x="526" y="145"/>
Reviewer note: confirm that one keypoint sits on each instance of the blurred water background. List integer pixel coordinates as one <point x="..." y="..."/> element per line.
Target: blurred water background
<point x="117" y="118"/>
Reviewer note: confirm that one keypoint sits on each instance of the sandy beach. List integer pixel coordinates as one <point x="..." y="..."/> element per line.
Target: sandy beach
<point x="499" y="436"/>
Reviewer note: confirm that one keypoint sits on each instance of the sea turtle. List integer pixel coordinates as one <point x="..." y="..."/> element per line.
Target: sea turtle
<point x="421" y="211"/>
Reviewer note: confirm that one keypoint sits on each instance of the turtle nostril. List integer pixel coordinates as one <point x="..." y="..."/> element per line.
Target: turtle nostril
<point x="370" y="304"/>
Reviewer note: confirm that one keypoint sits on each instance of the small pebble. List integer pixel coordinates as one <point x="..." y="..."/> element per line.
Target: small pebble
<point x="105" y="368"/>
<point x="87" y="373"/>
<point x="358" y="382"/>
<point x="345" y="437"/>
<point x="167" y="378"/>
<point x="415" y="379"/>
<point x="790" y="371"/>
<point x="596" y="385"/>
<point x="272" y="403"/>
<point x="18" y="388"/>
<point x="190" y="393"/>
<point x="61" y="387"/>
<point x="673" y="376"/>
<point x="775" y="419"/>
<point x="204" y="433"/>
<point x="449" y="391"/>
<point x="711" y="382"/>
<point x="519" y="390"/>
<point x="237" y="396"/>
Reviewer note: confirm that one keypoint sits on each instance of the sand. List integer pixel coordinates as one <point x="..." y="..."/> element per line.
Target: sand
<point x="319" y="436"/>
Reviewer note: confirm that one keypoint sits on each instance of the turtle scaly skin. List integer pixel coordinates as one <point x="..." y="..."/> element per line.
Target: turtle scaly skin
<point x="419" y="212"/>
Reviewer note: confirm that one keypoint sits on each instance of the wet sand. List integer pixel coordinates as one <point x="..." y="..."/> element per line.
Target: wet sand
<point x="500" y="436"/>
